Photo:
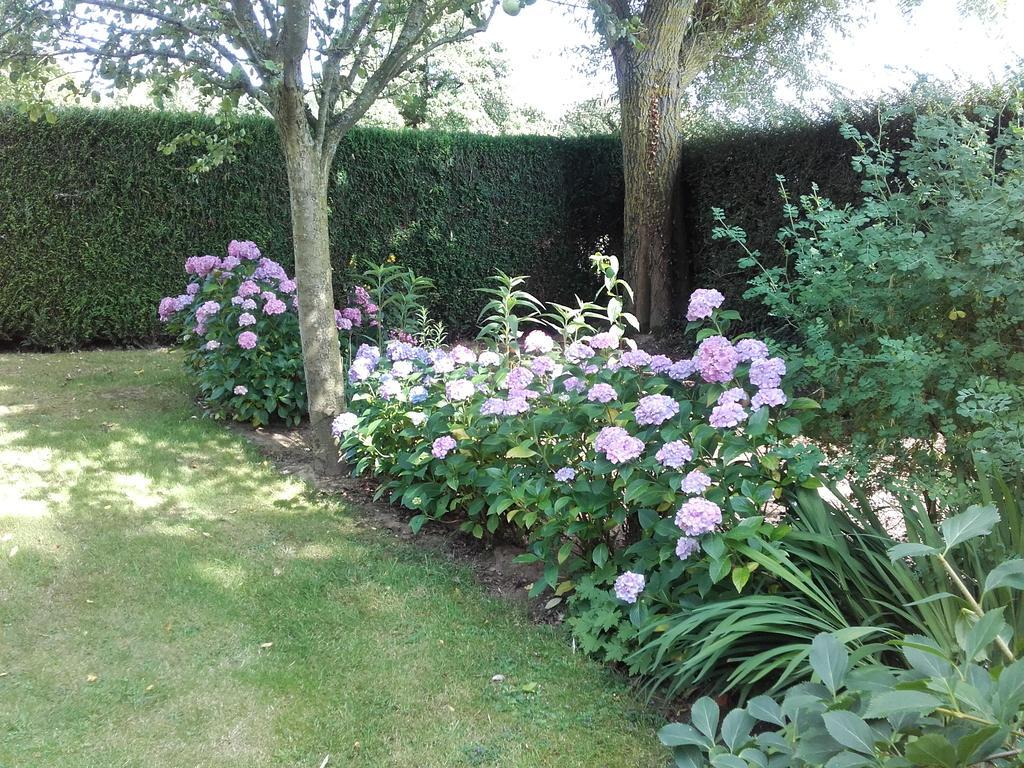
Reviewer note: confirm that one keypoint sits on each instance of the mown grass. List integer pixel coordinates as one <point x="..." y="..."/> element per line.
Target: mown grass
<point x="148" y="559"/>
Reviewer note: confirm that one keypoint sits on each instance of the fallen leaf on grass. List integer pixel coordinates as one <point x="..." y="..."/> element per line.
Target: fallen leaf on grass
<point x="91" y="678"/>
<point x="266" y="645"/>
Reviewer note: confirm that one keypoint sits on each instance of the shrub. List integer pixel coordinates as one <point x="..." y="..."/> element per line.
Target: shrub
<point x="939" y="708"/>
<point x="910" y="305"/>
<point x="618" y="468"/>
<point x="237" y="323"/>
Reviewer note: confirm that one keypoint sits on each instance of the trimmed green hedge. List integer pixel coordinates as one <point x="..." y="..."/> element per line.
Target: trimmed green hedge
<point x="95" y="223"/>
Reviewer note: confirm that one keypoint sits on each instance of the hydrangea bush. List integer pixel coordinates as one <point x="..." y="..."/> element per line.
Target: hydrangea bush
<point x="622" y="471"/>
<point x="238" y="325"/>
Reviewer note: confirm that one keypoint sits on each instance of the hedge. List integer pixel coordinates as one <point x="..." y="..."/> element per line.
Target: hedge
<point x="95" y="222"/>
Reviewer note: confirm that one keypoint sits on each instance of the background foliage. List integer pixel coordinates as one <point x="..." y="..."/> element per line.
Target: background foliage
<point x="94" y="221"/>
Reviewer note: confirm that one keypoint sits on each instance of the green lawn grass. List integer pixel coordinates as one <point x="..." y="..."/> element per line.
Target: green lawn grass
<point x="148" y="557"/>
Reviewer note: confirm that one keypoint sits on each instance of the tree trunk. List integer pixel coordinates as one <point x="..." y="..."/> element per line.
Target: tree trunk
<point x="321" y="352"/>
<point x="651" y="87"/>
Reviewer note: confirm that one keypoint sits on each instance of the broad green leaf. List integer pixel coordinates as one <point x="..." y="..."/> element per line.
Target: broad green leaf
<point x="889" y="703"/>
<point x="829" y="660"/>
<point x="681" y="734"/>
<point x="757" y="423"/>
<point x="983" y="632"/>
<point x="932" y="749"/>
<point x="850" y="730"/>
<point x="1007" y="574"/>
<point x="925" y="656"/>
<point x="564" y="551"/>
<point x="740" y="577"/>
<point x="1010" y="689"/>
<point x="689" y="757"/>
<point x="728" y="761"/>
<point x="846" y="759"/>
<point x="736" y="728"/>
<point x="976" y="521"/>
<point x="765" y="708"/>
<point x="754" y="757"/>
<point x="600" y="555"/>
<point x="704" y="715"/>
<point x="417" y="522"/>
<point x="520" y="452"/>
<point x="912" y="549"/>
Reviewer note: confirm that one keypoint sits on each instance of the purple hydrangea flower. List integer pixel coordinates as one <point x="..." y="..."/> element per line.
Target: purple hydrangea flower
<point x="248" y="304"/>
<point x="516" y="404"/>
<point x="287" y="286"/>
<point x="629" y="586"/>
<point x="635" y="359"/>
<point x="675" y="454"/>
<point x="617" y="445"/>
<point x="542" y="366"/>
<point x="660" y="364"/>
<point x="211" y="345"/>
<point x="681" y="370"/>
<point x="342" y="323"/>
<point x="353" y="315"/>
<point x="577" y="352"/>
<point x="463" y="355"/>
<point x="655" y="409"/>
<point x="237" y="300"/>
<point x="390" y="389"/>
<point x="201" y="266"/>
<point x="442" y="446"/>
<point x="246" y="319"/>
<point x="360" y="370"/>
<point x="565" y="474"/>
<point x="192" y="289"/>
<point x="344" y="422"/>
<point x="716" y="359"/>
<point x="538" y="342"/>
<point x="247" y="340"/>
<point x="686" y="547"/>
<point x="168" y="306"/>
<point x="269" y="270"/>
<point x="726" y="416"/>
<point x="444" y="364"/>
<point x="402" y="350"/>
<point x="243" y="249"/>
<point x="241" y="389"/>
<point x="248" y="288"/>
<point x="703" y="302"/>
<point x="767" y="374"/>
<point x="751" y="349"/>
<point x="369" y="352"/>
<point x="695" y="482"/>
<point x="771" y="396"/>
<point x="488" y="359"/>
<point x="229" y="262"/>
<point x="698" y="516"/>
<point x="733" y="395"/>
<point x="606" y="340"/>
<point x="572" y="384"/>
<point x="602" y="393"/>
<point x="207" y="310"/>
<point x="402" y="369"/>
<point x="519" y="378"/>
<point x="492" y="406"/>
<point x="418" y="394"/>
<point x="460" y="389"/>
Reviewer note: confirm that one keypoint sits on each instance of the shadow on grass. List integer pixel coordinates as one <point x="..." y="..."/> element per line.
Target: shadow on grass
<point x="174" y="601"/>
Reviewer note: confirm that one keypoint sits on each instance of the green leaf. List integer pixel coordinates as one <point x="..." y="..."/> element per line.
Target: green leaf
<point x="740" y="577"/>
<point x="912" y="549"/>
<point x="689" y="757"/>
<point x="976" y="521"/>
<point x="728" y="761"/>
<point x="766" y="709"/>
<point x="889" y="703"/>
<point x="704" y="715"/>
<point x="850" y="730"/>
<point x="847" y="759"/>
<point x="564" y="551"/>
<point x="600" y="555"/>
<point x="790" y="426"/>
<point x="931" y="750"/>
<point x="1010" y="689"/>
<point x="983" y="633"/>
<point x="736" y="728"/>
<point x="521" y="451"/>
<point x="1007" y="574"/>
<point x="681" y="734"/>
<point x="417" y="522"/>
<point x="757" y="423"/>
<point x="829" y="660"/>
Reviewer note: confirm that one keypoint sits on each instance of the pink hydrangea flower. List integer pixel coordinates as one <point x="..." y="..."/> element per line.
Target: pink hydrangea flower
<point x="287" y="286"/>
<point x="243" y="249"/>
<point x="686" y="547"/>
<point x="241" y="389"/>
<point x="660" y="364"/>
<point x="635" y="359"/>
<point x="565" y="474"/>
<point x="201" y="266"/>
<point x="274" y="307"/>
<point x="617" y="445"/>
<point x="716" y="359"/>
<point x="767" y="374"/>
<point x="726" y="416"/>
<point x="629" y="586"/>
<point x="602" y="393"/>
<point x="344" y="422"/>
<point x="211" y="345"/>
<point x="577" y="352"/>
<point x="519" y="378"/>
<point x="733" y="395"/>
<point x="247" y="340"/>
<point x="463" y="355"/>
<point x="674" y="455"/>
<point x="442" y="446"/>
<point x="655" y="409"/>
<point x="703" y="302"/>
<point x="606" y="340"/>
<point x="245" y="319"/>
<point x="460" y="389"/>
<point x="771" y="396"/>
<point x="695" y="482"/>
<point x="751" y="349"/>
<point x="698" y="516"/>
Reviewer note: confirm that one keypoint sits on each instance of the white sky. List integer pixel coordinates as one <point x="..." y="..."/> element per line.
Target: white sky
<point x="886" y="52"/>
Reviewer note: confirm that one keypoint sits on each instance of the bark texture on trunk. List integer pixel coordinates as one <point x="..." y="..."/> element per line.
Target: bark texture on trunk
<point x="321" y="353"/>
<point x="651" y="87"/>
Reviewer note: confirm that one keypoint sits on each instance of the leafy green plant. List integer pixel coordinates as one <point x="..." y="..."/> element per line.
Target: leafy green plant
<point x="909" y="306"/>
<point x="950" y="708"/>
<point x="507" y="309"/>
